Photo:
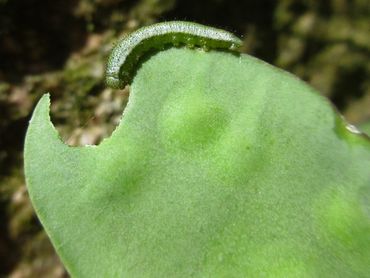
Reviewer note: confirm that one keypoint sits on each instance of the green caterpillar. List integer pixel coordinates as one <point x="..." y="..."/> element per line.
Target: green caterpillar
<point x="128" y="51"/>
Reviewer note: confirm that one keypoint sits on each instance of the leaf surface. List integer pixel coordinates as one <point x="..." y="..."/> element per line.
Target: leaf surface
<point x="222" y="166"/>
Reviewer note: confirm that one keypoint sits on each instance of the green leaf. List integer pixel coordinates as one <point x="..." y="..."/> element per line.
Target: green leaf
<point x="365" y="127"/>
<point x="222" y="166"/>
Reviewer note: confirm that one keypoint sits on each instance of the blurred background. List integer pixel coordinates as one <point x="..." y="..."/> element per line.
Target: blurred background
<point x="61" y="47"/>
